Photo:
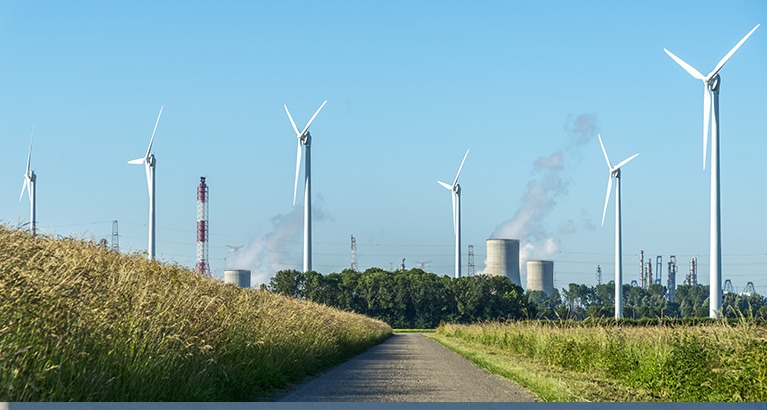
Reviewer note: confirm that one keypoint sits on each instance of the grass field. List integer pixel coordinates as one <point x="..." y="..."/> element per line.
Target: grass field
<point x="607" y="362"/>
<point x="83" y="323"/>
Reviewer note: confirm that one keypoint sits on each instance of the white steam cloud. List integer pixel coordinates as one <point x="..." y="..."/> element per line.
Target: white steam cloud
<point x="547" y="185"/>
<point x="279" y="249"/>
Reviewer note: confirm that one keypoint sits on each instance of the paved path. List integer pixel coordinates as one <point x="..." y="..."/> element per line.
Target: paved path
<point x="408" y="367"/>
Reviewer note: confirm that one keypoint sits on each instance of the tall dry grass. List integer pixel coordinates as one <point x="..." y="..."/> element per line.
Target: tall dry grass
<point x="83" y="323"/>
<point x="719" y="361"/>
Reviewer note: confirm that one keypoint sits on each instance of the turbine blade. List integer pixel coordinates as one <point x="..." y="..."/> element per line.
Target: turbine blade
<point x="607" y="196"/>
<point x="446" y="185"/>
<point x="461" y="167"/>
<point x="455" y="215"/>
<point x="625" y="161"/>
<point x="24" y="186"/>
<point x="693" y="72"/>
<point x="293" y="123"/>
<point x="734" y="49"/>
<point x="706" y="120"/>
<point x="298" y="167"/>
<point x="604" y="151"/>
<point x="137" y="161"/>
<point x="313" y="117"/>
<point x="151" y="140"/>
<point x="29" y="156"/>
<point x="148" y="170"/>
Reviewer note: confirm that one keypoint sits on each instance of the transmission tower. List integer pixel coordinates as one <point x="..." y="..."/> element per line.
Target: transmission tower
<point x="202" y="228"/>
<point x="470" y="261"/>
<point x="353" y="265"/>
<point x="671" y="278"/>
<point x="750" y="289"/>
<point x="115" y="237"/>
<point x="634" y="283"/>
<point x="728" y="288"/>
<point x="599" y="275"/>
<point x="658" y="269"/>
<point x="423" y="264"/>
<point x="402" y="266"/>
<point x="641" y="269"/>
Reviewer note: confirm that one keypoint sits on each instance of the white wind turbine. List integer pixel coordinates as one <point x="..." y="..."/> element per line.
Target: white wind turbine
<point x="150" y="162"/>
<point x="305" y="139"/>
<point x="30" y="179"/>
<point x="711" y="84"/>
<point x="455" y="189"/>
<point x="615" y="173"/>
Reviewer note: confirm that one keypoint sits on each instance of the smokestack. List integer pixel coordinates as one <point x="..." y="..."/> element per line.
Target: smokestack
<point x="238" y="277"/>
<point x="540" y="276"/>
<point x="503" y="259"/>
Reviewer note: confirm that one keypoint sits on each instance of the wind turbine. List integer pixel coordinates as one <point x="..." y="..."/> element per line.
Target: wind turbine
<point x="455" y="188"/>
<point x="711" y="84"/>
<point x="150" y="162"/>
<point x="615" y="173"/>
<point x="305" y="139"/>
<point x="30" y="179"/>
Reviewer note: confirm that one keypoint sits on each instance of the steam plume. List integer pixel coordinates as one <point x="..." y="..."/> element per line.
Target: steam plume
<point x="547" y="185"/>
<point x="277" y="250"/>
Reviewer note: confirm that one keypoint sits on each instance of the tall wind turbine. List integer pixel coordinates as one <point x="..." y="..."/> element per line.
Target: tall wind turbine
<point x="305" y="139"/>
<point x="615" y="173"/>
<point x="150" y="162"/>
<point x="30" y="179"/>
<point x="455" y="188"/>
<point x="711" y="84"/>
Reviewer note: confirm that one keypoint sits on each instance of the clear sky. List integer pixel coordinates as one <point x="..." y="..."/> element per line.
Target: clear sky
<point x="410" y="86"/>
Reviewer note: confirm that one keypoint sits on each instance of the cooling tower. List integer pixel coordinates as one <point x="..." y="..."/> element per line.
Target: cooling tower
<point x="540" y="276"/>
<point x="239" y="277"/>
<point x="503" y="259"/>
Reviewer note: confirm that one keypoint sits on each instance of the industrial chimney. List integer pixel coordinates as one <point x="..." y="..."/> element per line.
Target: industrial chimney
<point x="503" y="259"/>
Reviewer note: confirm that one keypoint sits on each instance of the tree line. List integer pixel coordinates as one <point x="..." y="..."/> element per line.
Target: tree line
<point x="418" y="299"/>
<point x="412" y="298"/>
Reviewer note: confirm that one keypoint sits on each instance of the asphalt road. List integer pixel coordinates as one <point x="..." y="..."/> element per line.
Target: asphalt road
<point x="408" y="368"/>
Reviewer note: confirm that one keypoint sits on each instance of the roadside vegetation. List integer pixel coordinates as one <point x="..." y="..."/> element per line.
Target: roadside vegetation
<point x="607" y="361"/>
<point x="82" y="323"/>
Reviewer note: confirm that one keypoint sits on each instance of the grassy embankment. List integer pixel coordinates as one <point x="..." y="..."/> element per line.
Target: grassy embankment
<point x="82" y="323"/>
<point x="608" y="362"/>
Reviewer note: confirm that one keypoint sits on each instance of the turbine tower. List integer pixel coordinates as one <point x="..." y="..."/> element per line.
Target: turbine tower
<point x="30" y="180"/>
<point x="150" y="162"/>
<point x="455" y="188"/>
<point x="711" y="84"/>
<point x="305" y="139"/>
<point x="615" y="173"/>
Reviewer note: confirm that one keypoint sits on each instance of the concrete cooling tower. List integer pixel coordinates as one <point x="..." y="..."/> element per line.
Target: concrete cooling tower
<point x="503" y="259"/>
<point x="239" y="277"/>
<point x="540" y="276"/>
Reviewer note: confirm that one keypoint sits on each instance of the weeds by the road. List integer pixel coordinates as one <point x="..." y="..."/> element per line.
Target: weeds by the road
<point x="713" y="362"/>
<point x="83" y="323"/>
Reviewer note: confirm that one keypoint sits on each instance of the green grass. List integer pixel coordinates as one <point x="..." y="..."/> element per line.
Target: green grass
<point x="574" y="362"/>
<point x="82" y="323"/>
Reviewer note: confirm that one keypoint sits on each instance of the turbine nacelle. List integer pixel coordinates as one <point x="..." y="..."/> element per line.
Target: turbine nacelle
<point x="304" y="138"/>
<point x="711" y="83"/>
<point x="614" y="173"/>
<point x="29" y="174"/>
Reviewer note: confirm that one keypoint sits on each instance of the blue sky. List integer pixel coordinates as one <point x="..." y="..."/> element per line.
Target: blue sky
<point x="410" y="86"/>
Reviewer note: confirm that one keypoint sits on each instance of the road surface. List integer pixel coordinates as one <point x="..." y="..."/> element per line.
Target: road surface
<point x="408" y="367"/>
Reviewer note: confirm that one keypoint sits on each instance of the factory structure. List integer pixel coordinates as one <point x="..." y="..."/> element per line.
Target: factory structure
<point x="503" y="260"/>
